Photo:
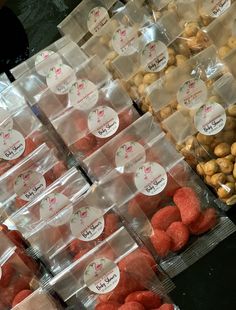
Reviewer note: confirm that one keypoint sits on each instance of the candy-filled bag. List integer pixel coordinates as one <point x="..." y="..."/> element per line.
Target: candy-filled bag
<point x="28" y="178"/>
<point x="88" y="18"/>
<point x="169" y="208"/>
<point x="125" y="151"/>
<point x="222" y="30"/>
<point x="117" y="274"/>
<point x="64" y="236"/>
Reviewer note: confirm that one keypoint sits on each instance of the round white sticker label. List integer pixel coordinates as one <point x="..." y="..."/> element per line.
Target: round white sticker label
<point x="192" y="94"/>
<point x="97" y="19"/>
<point x="12" y="144"/>
<point x="154" y="56"/>
<point x="101" y="276"/>
<point x="29" y="184"/>
<point x="103" y="122"/>
<point x="210" y="119"/>
<point x="130" y="156"/>
<point x="83" y="95"/>
<point x="60" y="79"/>
<point x="150" y="179"/>
<point x="215" y="8"/>
<point x="125" y="41"/>
<point x="6" y="121"/>
<point x="51" y="208"/>
<point x="46" y="60"/>
<point x="87" y="223"/>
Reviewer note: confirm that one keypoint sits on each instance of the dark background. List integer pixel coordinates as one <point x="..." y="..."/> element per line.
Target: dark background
<point x="210" y="284"/>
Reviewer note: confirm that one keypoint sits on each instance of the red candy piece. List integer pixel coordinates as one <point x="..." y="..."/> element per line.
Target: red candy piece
<point x="166" y="307"/>
<point x="30" y="146"/>
<point x="111" y="224"/>
<point x="179" y="235"/>
<point x="19" y="203"/>
<point x="148" y="204"/>
<point x="21" y="284"/>
<point x="4" y="167"/>
<point x="205" y="222"/>
<point x="188" y="203"/>
<point x="85" y="144"/>
<point x="132" y="306"/>
<point x="108" y="306"/>
<point x="21" y="296"/>
<point x="164" y="217"/>
<point x="7" y="273"/>
<point x="161" y="242"/>
<point x="147" y="298"/>
<point x="16" y="237"/>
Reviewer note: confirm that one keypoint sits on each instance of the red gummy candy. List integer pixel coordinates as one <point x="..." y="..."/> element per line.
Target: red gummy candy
<point x="166" y="307"/>
<point x="132" y="306"/>
<point x="188" y="203"/>
<point x="7" y="273"/>
<point x="20" y="297"/>
<point x="21" y="284"/>
<point x="76" y="245"/>
<point x="205" y="222"/>
<point x="111" y="224"/>
<point x="30" y="146"/>
<point x="108" y="306"/>
<point x="148" y="204"/>
<point x="85" y="144"/>
<point x="179" y="235"/>
<point x="19" y="203"/>
<point x="148" y="299"/>
<point x="164" y="217"/>
<point x="161" y="242"/>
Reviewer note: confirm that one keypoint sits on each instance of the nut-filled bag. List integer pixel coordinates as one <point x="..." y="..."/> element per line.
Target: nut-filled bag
<point x="117" y="274"/>
<point x="88" y="18"/>
<point x="28" y="178"/>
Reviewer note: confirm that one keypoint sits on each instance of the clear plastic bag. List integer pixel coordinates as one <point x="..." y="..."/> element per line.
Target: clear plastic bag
<point x="112" y="274"/>
<point x="62" y="50"/>
<point x="4" y="82"/>
<point x="168" y="206"/>
<point x="88" y="18"/>
<point x="29" y="178"/>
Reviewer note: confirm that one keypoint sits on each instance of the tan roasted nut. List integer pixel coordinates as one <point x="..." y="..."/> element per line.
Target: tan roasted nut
<point x="138" y="79"/>
<point x="191" y="29"/>
<point x="105" y="39"/>
<point x="229" y="136"/>
<point x="232" y="110"/>
<point x="226" y="190"/>
<point x="211" y="167"/>
<point x="234" y="171"/>
<point x="214" y="99"/>
<point x="222" y="150"/>
<point x="203" y="139"/>
<point x="112" y="55"/>
<point x="223" y="51"/>
<point x="233" y="149"/>
<point x="208" y="180"/>
<point x="142" y="88"/>
<point x="171" y="51"/>
<point x="150" y="78"/>
<point x="230" y="178"/>
<point x="183" y="49"/>
<point x="218" y="179"/>
<point x="165" y="112"/>
<point x="193" y="44"/>
<point x="225" y="165"/>
<point x="107" y="63"/>
<point x="200" y="169"/>
<point x="202" y="151"/>
<point x="232" y="42"/>
<point x="231" y="201"/>
<point x="230" y="157"/>
<point x="173" y="103"/>
<point x="230" y="123"/>
<point x="171" y="60"/>
<point x="133" y="92"/>
<point x="169" y="69"/>
<point x="180" y="60"/>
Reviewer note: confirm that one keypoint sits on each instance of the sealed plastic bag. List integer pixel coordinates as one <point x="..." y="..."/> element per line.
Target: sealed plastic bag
<point x="222" y="31"/>
<point x="4" y="82"/>
<point x="88" y="18"/>
<point x="167" y="205"/>
<point x="28" y="178"/>
<point x="117" y="274"/>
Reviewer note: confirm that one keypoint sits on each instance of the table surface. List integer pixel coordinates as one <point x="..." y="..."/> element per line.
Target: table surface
<point x="210" y="283"/>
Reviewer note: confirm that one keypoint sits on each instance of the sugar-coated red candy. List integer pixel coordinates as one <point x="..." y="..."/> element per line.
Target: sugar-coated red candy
<point x="165" y="307"/>
<point x="111" y="224"/>
<point x="149" y="258"/>
<point x="161" y="242"/>
<point x="206" y="221"/>
<point x="188" y="203"/>
<point x="179" y="234"/>
<point x="21" y="284"/>
<point x="108" y="306"/>
<point x="133" y="305"/>
<point x="165" y="216"/>
<point x="7" y="274"/>
<point x="20" y="297"/>
<point x="148" y="299"/>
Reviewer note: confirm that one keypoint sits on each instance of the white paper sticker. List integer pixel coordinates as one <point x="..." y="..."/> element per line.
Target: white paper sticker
<point x="29" y="185"/>
<point x="192" y="94"/>
<point x="97" y="19"/>
<point x="125" y="41"/>
<point x="129" y="156"/>
<point x="210" y="119"/>
<point x="83" y="95"/>
<point x="150" y="179"/>
<point x="154" y="56"/>
<point x="12" y="144"/>
<point x="51" y="208"/>
<point x="6" y="121"/>
<point x="60" y="79"/>
<point x="87" y="223"/>
<point x="215" y="8"/>
<point x="101" y="276"/>
<point x="46" y="60"/>
<point x="103" y="122"/>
